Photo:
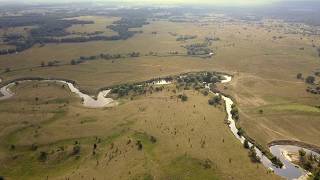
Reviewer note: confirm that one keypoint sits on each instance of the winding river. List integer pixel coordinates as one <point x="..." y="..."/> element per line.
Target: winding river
<point x="88" y="101"/>
<point x="289" y="170"/>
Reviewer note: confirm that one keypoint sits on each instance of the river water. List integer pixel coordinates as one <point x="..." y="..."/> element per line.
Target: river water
<point x="87" y="101"/>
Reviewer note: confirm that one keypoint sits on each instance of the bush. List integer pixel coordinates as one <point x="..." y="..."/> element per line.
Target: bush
<point x="34" y="147"/>
<point x="299" y="76"/>
<point x="302" y="153"/>
<point x="276" y="161"/>
<point x="76" y="149"/>
<point x="139" y="144"/>
<point x="240" y="132"/>
<point x="184" y="97"/>
<point x="205" y="92"/>
<point x="153" y="139"/>
<point x="43" y="156"/>
<point x="215" y="100"/>
<point x="253" y="155"/>
<point x="73" y="62"/>
<point x="235" y="112"/>
<point x="310" y="79"/>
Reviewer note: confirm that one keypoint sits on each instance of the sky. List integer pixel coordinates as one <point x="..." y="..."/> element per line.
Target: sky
<point x="211" y="2"/>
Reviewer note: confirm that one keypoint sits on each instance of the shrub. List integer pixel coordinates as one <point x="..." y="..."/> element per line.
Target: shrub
<point x="34" y="147"/>
<point x="240" y="132"/>
<point x="299" y="76"/>
<point x="73" y="62"/>
<point x="76" y="149"/>
<point x="302" y="153"/>
<point x="43" y="156"/>
<point x="253" y="155"/>
<point x="235" y="112"/>
<point x="139" y="144"/>
<point x="153" y="139"/>
<point x="205" y="92"/>
<point x="310" y="79"/>
<point x="184" y="97"/>
<point x="215" y="100"/>
<point x="276" y="161"/>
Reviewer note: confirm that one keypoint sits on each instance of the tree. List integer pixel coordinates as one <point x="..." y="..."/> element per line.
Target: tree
<point x="43" y="156"/>
<point x="253" y="155"/>
<point x="310" y="79"/>
<point x="302" y="153"/>
<point x="76" y="149"/>
<point x="12" y="147"/>
<point x="215" y="100"/>
<point x="261" y="111"/>
<point x="240" y="132"/>
<point x="73" y="62"/>
<point x="184" y="97"/>
<point x="139" y="144"/>
<point x="153" y="139"/>
<point x="299" y="76"/>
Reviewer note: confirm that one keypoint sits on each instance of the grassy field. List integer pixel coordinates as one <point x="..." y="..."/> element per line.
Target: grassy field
<point x="200" y="144"/>
<point x="264" y="70"/>
<point x="100" y="24"/>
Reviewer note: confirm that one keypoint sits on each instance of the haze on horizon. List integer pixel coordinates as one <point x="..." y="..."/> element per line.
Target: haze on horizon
<point x="168" y="2"/>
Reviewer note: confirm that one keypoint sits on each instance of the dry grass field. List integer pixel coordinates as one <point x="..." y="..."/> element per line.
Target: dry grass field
<point x="200" y="145"/>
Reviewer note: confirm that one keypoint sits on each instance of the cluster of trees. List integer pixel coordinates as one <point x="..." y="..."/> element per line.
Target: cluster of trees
<point x="124" y="24"/>
<point x="125" y="89"/>
<point x="234" y="112"/>
<point x="309" y="79"/>
<point x="49" y="27"/>
<point x="106" y="56"/>
<point x="7" y="51"/>
<point x="185" y="37"/>
<point x="253" y="155"/>
<point x="314" y="89"/>
<point x="196" y="80"/>
<point x="88" y="34"/>
<point x="310" y="162"/>
<point x="198" y="49"/>
<point x="216" y="100"/>
<point x="210" y="39"/>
